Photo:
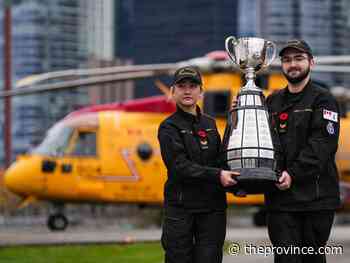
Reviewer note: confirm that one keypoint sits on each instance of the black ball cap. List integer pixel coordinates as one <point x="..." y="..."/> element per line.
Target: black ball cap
<point x="298" y="44"/>
<point x="190" y="73"/>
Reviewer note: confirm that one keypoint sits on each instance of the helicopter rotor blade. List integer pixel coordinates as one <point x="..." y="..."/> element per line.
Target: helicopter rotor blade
<point x="163" y="88"/>
<point x="68" y="84"/>
<point x="67" y="79"/>
<point x="35" y="79"/>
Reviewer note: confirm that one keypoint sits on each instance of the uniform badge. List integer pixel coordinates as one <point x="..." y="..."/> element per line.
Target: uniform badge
<point x="202" y="134"/>
<point x="283" y="122"/>
<point x="330" y="115"/>
<point x="330" y="128"/>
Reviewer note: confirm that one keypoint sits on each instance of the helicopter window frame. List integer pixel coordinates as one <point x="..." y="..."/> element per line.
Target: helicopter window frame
<point x="51" y="146"/>
<point x="72" y="150"/>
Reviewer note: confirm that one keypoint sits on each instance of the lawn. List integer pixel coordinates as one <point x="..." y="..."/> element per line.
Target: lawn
<point x="113" y="253"/>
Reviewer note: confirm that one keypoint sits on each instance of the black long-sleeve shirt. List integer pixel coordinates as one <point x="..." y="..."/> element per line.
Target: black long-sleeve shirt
<point x="308" y="127"/>
<point x="190" y="148"/>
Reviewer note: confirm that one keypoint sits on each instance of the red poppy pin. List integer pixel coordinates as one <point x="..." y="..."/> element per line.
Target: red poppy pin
<point x="283" y="116"/>
<point x="283" y="122"/>
<point x="202" y="134"/>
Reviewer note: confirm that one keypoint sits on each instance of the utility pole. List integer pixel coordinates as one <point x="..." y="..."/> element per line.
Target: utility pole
<point x="7" y="81"/>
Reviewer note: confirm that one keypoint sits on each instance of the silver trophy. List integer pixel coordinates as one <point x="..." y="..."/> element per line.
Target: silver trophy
<point x="248" y="142"/>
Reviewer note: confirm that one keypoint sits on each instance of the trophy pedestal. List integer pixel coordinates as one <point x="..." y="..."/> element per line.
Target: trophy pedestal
<point x="254" y="180"/>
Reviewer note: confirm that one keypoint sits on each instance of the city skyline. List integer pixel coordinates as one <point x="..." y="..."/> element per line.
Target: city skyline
<point x="63" y="34"/>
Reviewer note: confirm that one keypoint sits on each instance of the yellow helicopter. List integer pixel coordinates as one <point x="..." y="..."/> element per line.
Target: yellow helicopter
<point x="110" y="154"/>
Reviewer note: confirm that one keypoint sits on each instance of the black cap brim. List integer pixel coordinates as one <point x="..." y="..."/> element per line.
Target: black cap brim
<point x="293" y="47"/>
<point x="190" y="78"/>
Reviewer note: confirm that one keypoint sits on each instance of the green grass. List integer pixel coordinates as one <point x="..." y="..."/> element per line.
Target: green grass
<point x="133" y="253"/>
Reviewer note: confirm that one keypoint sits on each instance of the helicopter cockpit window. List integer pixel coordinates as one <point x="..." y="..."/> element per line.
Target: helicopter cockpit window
<point x="64" y="137"/>
<point x="56" y="141"/>
<point x="84" y="144"/>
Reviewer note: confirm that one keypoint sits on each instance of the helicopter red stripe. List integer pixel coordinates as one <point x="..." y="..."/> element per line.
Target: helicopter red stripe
<point x="155" y="104"/>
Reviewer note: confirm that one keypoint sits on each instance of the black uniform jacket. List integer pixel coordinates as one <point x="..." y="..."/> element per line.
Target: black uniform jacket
<point x="190" y="147"/>
<point x="308" y="129"/>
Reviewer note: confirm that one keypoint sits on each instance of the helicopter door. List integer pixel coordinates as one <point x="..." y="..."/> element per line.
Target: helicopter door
<point x="59" y="168"/>
<point x="83" y="149"/>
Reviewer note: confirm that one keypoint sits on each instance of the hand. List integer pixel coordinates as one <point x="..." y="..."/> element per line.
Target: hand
<point x="234" y="116"/>
<point x="226" y="178"/>
<point x="234" y="103"/>
<point x="285" y="181"/>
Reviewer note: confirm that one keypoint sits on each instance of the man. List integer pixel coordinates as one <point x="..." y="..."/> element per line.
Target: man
<point x="305" y="117"/>
<point x="194" y="224"/>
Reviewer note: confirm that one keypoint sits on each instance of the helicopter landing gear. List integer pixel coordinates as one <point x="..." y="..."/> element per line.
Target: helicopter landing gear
<point x="57" y="221"/>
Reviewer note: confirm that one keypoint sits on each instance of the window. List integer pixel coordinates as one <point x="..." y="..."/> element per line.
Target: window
<point x="84" y="144"/>
<point x="55" y="142"/>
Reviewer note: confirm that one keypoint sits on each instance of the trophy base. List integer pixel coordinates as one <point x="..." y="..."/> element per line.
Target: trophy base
<point x="253" y="181"/>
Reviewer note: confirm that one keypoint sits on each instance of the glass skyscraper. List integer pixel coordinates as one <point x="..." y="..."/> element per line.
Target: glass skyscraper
<point x="322" y="23"/>
<point x="170" y="31"/>
<point x="47" y="37"/>
<point x="44" y="38"/>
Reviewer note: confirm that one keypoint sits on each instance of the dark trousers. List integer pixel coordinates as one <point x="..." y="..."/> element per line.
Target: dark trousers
<point x="193" y="237"/>
<point x="299" y="229"/>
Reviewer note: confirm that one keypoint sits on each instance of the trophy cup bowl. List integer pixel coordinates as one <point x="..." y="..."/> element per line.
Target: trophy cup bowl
<point x="250" y="52"/>
<point x="248" y="140"/>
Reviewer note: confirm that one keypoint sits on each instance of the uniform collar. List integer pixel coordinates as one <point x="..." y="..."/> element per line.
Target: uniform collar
<point x="302" y="93"/>
<point x="189" y="116"/>
<point x="285" y="91"/>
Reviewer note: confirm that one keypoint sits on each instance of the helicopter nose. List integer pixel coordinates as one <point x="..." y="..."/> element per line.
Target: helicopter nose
<point x="23" y="177"/>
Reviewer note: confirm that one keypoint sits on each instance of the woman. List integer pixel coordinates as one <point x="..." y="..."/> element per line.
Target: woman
<point x="194" y="225"/>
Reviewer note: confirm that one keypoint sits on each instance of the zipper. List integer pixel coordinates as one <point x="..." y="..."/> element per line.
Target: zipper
<point x="173" y="218"/>
<point x="180" y="196"/>
<point x="304" y="110"/>
<point x="317" y="187"/>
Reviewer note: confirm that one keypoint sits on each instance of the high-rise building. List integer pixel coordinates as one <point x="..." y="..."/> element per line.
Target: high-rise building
<point x="98" y="40"/>
<point x="322" y="23"/>
<point x="169" y="31"/>
<point x="97" y="23"/>
<point x="44" y="38"/>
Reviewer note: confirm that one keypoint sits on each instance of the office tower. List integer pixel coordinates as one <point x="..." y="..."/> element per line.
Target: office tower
<point x="44" y="38"/>
<point x="170" y="31"/>
<point x="323" y="24"/>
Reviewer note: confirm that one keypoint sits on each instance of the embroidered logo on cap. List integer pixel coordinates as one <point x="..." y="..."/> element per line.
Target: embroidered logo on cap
<point x="187" y="71"/>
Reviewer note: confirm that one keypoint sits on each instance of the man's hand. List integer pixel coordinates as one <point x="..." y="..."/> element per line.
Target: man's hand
<point x="234" y="103"/>
<point x="226" y="178"/>
<point x="285" y="181"/>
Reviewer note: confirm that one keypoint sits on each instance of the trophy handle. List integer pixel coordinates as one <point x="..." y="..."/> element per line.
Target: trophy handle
<point x="272" y="45"/>
<point x="234" y="42"/>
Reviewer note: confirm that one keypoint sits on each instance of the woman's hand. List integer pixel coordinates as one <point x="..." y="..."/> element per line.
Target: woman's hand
<point x="233" y="104"/>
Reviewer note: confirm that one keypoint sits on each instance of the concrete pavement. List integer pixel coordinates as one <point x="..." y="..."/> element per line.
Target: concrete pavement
<point x="111" y="234"/>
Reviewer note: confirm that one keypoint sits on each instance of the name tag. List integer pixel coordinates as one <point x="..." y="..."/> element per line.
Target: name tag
<point x="330" y="115"/>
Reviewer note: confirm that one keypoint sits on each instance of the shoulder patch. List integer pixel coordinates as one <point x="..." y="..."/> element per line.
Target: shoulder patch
<point x="330" y="128"/>
<point x="330" y="115"/>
